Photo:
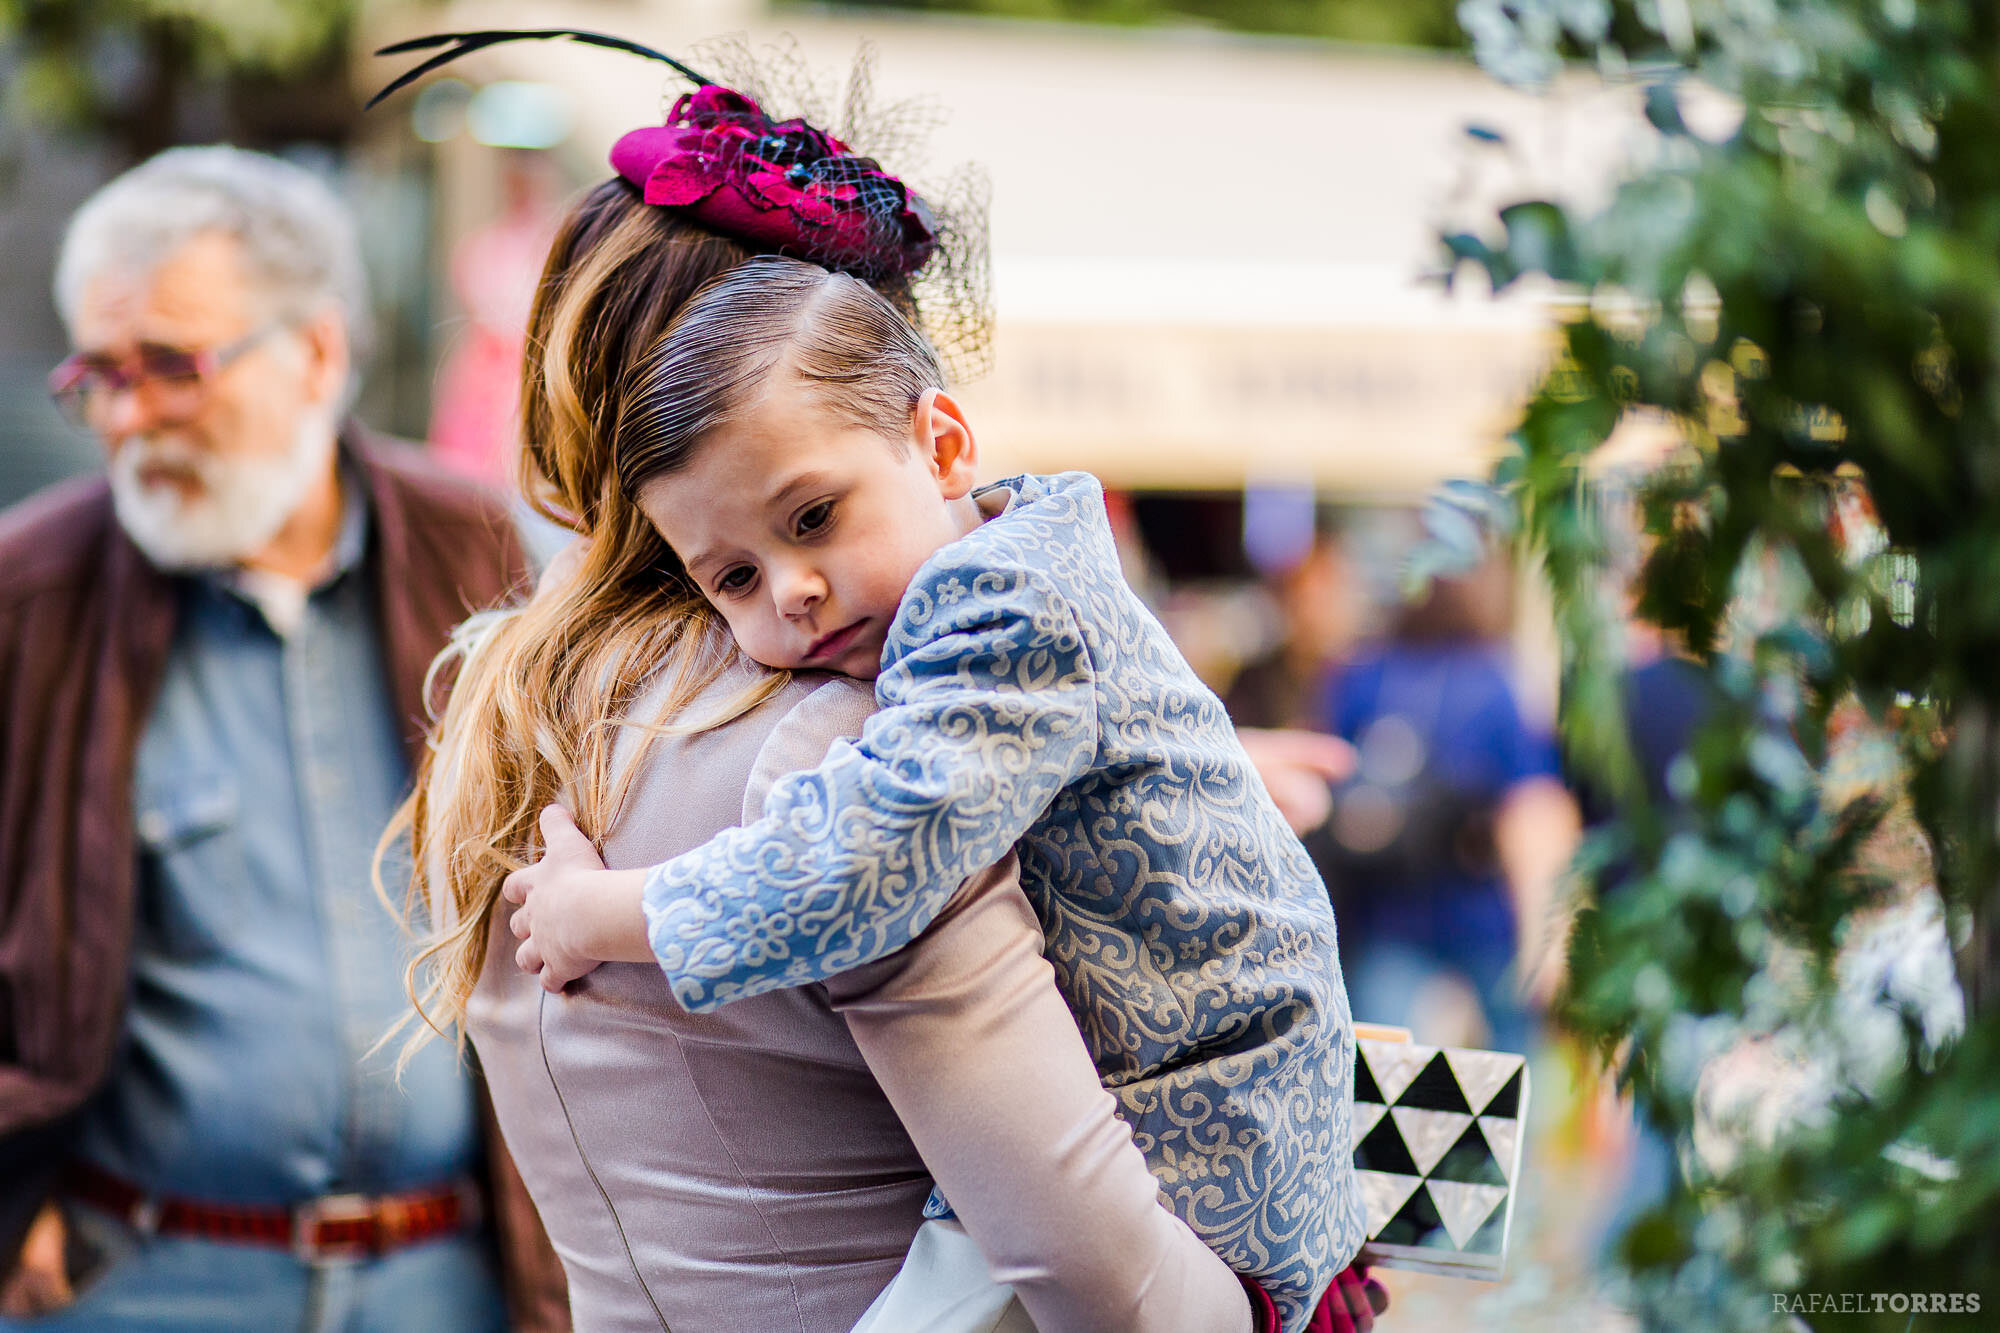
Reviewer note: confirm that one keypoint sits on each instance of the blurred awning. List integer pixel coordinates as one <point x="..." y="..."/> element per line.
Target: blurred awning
<point x="1207" y="248"/>
<point x="1213" y="372"/>
<point x="1370" y="411"/>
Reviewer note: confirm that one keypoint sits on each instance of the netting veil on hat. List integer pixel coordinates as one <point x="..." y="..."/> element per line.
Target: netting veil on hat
<point x="788" y="186"/>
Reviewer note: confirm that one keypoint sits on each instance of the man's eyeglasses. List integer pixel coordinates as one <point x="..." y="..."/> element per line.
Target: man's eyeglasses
<point x="174" y="379"/>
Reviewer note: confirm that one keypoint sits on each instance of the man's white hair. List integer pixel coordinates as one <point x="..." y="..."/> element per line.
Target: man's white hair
<point x="299" y="248"/>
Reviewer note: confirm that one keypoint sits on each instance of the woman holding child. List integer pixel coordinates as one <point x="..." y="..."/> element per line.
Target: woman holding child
<point x="762" y="448"/>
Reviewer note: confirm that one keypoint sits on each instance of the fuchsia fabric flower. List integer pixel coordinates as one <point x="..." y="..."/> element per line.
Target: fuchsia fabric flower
<point x="783" y="186"/>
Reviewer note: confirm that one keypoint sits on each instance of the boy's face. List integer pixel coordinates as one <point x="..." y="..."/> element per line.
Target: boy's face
<point x="804" y="530"/>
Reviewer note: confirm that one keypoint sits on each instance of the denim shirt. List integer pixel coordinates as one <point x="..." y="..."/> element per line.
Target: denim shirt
<point x="1028" y="697"/>
<point x="263" y="964"/>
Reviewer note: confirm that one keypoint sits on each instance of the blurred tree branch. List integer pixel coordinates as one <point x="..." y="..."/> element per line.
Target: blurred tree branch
<point x="1812" y="298"/>
<point x="149" y="73"/>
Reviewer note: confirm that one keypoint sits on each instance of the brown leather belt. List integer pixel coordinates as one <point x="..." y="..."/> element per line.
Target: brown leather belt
<point x="337" y="1226"/>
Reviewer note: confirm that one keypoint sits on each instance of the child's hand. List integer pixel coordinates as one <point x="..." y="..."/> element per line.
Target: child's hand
<point x="572" y="913"/>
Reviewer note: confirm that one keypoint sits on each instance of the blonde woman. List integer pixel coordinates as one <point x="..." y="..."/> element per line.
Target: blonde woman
<point x="765" y="1166"/>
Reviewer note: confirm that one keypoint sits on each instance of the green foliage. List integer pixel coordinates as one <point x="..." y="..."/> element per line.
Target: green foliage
<point x="1812" y="300"/>
<point x="92" y="63"/>
<point x="1394" y="22"/>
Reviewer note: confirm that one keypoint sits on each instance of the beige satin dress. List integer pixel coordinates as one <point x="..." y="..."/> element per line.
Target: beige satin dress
<point x="747" y="1170"/>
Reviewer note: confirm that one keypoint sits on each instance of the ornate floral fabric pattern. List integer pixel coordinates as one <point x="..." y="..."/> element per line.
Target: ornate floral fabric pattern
<point x="1029" y="697"/>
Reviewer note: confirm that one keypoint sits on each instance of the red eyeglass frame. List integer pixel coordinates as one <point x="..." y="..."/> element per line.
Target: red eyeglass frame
<point x="79" y="377"/>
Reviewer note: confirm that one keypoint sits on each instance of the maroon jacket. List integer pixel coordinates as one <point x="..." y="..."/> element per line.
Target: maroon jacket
<point x="85" y="627"/>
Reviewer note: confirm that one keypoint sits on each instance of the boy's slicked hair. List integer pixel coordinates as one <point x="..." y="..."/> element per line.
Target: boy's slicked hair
<point x="859" y="356"/>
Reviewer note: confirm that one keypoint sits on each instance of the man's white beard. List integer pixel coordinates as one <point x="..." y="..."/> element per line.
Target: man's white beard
<point x="239" y="504"/>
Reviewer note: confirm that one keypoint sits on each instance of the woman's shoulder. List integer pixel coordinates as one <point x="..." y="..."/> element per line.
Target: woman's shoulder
<point x="827" y="705"/>
<point x="813" y="712"/>
<point x="719" y="775"/>
<point x="735" y="709"/>
<point x="682" y="772"/>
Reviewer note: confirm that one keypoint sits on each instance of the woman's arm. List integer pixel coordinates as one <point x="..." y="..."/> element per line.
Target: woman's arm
<point x="981" y="1059"/>
<point x="1535" y="833"/>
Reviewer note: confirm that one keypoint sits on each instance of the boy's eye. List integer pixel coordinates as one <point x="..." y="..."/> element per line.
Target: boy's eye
<point x="812" y="520"/>
<point x="735" y="579"/>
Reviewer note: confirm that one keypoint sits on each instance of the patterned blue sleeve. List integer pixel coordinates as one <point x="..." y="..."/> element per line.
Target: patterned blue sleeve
<point x="988" y="712"/>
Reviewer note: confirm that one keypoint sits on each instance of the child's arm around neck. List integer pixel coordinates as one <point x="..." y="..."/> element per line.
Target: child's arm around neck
<point x="988" y="711"/>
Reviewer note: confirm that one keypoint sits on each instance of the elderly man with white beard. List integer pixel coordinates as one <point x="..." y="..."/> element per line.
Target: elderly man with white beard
<point x="212" y="677"/>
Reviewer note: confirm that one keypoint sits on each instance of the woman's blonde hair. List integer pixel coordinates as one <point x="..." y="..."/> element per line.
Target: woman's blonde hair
<point x="541" y="689"/>
<point x="641" y="317"/>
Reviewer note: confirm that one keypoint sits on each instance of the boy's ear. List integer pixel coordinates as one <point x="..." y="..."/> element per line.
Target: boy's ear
<point x="944" y="439"/>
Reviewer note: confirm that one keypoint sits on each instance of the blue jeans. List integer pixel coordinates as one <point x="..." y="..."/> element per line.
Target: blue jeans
<point x="180" y="1284"/>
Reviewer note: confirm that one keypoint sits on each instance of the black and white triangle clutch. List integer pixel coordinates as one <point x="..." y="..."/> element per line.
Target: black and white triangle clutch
<point x="1437" y="1145"/>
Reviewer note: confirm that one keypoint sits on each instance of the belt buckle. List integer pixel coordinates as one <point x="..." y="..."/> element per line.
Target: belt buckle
<point x="144" y="1215"/>
<point x="310" y="1216"/>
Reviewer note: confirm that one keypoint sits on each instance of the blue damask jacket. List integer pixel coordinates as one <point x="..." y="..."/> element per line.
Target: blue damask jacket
<point x="1028" y="699"/>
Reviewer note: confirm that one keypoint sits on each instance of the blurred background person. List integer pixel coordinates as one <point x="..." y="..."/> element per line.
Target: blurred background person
<point x="1320" y="608"/>
<point x="212" y="695"/>
<point x="1667" y="698"/>
<point x="475" y="416"/>
<point x="1319" y="605"/>
<point x="1450" y="838"/>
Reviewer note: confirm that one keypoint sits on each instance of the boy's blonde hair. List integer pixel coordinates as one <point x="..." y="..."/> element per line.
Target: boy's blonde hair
<point x="856" y="351"/>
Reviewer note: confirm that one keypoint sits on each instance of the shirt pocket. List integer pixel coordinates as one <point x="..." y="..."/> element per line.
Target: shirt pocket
<point x="194" y="880"/>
